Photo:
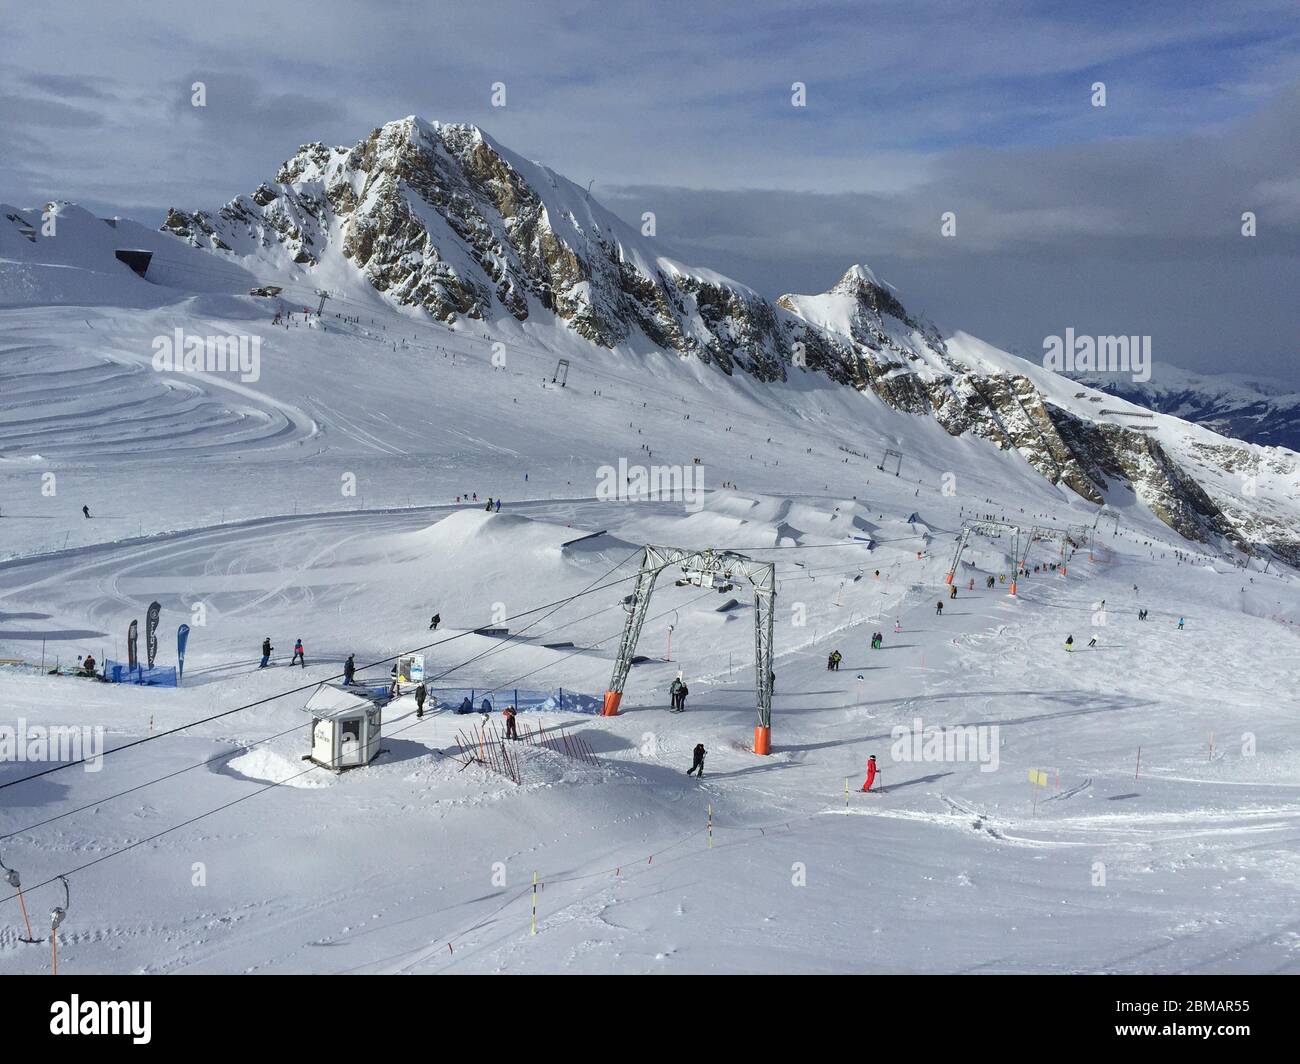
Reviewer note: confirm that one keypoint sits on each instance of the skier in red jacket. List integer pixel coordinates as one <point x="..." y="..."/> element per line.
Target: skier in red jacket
<point x="871" y="773"/>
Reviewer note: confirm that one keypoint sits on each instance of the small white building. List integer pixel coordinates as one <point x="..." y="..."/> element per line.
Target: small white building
<point x="346" y="726"/>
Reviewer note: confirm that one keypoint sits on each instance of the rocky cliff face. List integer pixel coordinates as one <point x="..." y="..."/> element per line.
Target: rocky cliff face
<point x="441" y="218"/>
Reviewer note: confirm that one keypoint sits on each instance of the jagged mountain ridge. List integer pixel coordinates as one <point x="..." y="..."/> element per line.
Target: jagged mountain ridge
<point x="442" y="218"/>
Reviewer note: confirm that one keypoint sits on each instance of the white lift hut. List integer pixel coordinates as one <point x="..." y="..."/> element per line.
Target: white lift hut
<point x="346" y="726"/>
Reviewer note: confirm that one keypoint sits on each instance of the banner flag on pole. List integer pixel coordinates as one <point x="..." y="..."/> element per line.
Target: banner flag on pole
<point x="182" y="637"/>
<point x="151" y="631"/>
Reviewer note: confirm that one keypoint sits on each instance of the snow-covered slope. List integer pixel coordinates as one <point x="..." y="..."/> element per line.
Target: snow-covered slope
<point x="325" y="500"/>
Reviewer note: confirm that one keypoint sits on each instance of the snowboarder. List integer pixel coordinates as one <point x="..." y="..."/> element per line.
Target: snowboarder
<point x="871" y="773"/>
<point x="266" y="652"/>
<point x="698" y="763"/>
<point x="938" y="608"/>
<point x="420" y="695"/>
<point x="86" y="510"/>
<point x="298" y="657"/>
<point x="434" y="621"/>
<point x="509" y="714"/>
<point x="349" y="670"/>
<point x="1069" y="642"/>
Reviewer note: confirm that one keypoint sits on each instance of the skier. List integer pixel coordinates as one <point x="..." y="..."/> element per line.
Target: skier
<point x="434" y="621"/>
<point x="698" y="763"/>
<point x="86" y="510"/>
<point x="871" y="773"/>
<point x="298" y="657"/>
<point x="488" y="507"/>
<point x="938" y="608"/>
<point x="349" y="670"/>
<point x="682" y="692"/>
<point x="1069" y="642"/>
<point x="509" y="714"/>
<point x="419" y="700"/>
<point x="498" y="506"/>
<point x="394" y="685"/>
<point x="952" y="592"/>
<point x="266" y="652"/>
<point x="1180" y="624"/>
<point x="833" y="662"/>
<point x="675" y="694"/>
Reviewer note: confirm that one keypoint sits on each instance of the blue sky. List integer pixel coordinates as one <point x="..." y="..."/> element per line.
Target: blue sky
<point x="1117" y="219"/>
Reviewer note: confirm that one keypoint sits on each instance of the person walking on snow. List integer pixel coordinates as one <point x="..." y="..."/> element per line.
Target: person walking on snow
<point x="420" y="695"/>
<point x="298" y="657"/>
<point x="509" y="714"/>
<point x="938" y="608"/>
<point x="698" y="763"/>
<point x="674" y="689"/>
<point x="349" y="670"/>
<point x="266" y="652"/>
<point x="833" y="662"/>
<point x="682" y="692"/>
<point x="952" y="592"/>
<point x="871" y="773"/>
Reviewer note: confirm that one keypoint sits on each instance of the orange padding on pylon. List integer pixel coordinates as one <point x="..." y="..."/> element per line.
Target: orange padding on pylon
<point x="612" y="699"/>
<point x="762" y="740"/>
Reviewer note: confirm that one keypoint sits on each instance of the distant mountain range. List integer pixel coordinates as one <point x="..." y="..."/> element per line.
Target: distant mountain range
<point x="1254" y="409"/>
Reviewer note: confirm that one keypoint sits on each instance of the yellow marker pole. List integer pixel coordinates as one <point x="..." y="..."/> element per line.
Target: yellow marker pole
<point x="846" y="790"/>
<point x="534" y="931"/>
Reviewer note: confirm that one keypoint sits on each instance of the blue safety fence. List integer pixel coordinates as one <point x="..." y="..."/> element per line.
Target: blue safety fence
<point x="158" y="676"/>
<point x="560" y="699"/>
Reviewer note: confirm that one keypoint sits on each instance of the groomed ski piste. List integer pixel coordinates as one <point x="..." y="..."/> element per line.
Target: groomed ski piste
<point x="1160" y="836"/>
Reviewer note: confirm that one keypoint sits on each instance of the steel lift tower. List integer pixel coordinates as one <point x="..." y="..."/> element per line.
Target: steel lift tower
<point x="704" y="568"/>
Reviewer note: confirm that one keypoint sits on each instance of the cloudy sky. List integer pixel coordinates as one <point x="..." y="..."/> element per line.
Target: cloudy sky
<point x="1118" y="219"/>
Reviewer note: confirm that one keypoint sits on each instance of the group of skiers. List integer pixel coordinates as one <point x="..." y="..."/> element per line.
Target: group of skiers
<point x="833" y="662"/>
<point x="677" y="692"/>
<point x="493" y="505"/>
